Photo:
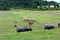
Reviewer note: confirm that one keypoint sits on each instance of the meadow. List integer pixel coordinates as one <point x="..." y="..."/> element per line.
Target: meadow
<point x="8" y="31"/>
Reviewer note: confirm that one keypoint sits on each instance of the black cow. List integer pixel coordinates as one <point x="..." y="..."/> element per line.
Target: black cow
<point x="49" y="27"/>
<point x="58" y="24"/>
<point x="22" y="29"/>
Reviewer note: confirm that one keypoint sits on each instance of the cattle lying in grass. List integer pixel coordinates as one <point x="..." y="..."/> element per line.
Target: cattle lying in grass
<point x="58" y="24"/>
<point x="49" y="27"/>
<point x="22" y="29"/>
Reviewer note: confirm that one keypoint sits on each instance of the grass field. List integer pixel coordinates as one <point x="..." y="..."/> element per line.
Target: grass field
<point x="8" y="32"/>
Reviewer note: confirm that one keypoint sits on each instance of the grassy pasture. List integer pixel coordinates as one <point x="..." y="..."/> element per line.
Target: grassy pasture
<point x="8" y="32"/>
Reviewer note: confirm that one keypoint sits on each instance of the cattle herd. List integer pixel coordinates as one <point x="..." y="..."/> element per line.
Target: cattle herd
<point x="30" y="22"/>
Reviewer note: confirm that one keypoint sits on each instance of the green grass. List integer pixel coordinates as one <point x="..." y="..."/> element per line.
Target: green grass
<point x="8" y="32"/>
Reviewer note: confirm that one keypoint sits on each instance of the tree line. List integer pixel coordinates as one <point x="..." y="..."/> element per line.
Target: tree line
<point x="28" y="4"/>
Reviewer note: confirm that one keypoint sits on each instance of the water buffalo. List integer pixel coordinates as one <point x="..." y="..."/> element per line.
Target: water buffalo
<point x="49" y="27"/>
<point x="22" y="29"/>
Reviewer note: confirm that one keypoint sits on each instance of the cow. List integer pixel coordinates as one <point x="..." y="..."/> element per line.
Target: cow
<point x="22" y="29"/>
<point x="49" y="26"/>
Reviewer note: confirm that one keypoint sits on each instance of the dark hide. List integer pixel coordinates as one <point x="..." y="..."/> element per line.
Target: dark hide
<point x="23" y="29"/>
<point x="58" y="24"/>
<point x="49" y="27"/>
